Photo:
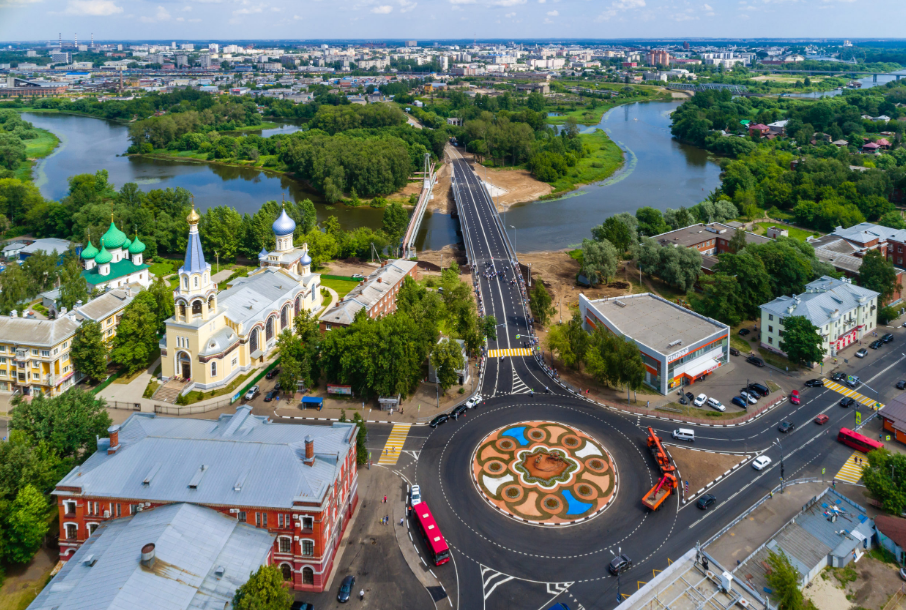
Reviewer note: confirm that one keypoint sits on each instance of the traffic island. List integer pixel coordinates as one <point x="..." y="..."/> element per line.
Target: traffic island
<point x="699" y="469"/>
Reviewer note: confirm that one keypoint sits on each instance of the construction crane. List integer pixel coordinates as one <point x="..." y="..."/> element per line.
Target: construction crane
<point x="665" y="486"/>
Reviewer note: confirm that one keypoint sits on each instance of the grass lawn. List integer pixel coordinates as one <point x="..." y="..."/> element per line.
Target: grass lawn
<point x="675" y="407"/>
<point x="743" y="344"/>
<point x="36" y="148"/>
<point x="162" y="267"/>
<point x="761" y="228"/>
<point x="342" y="287"/>
<point x="193" y="397"/>
<point x="604" y="158"/>
<point x="777" y="360"/>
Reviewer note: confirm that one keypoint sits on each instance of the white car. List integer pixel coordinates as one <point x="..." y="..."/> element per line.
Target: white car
<point x="699" y="400"/>
<point x="750" y="397"/>
<point x="415" y="495"/>
<point x="473" y="402"/>
<point x="715" y="404"/>
<point x="761" y="462"/>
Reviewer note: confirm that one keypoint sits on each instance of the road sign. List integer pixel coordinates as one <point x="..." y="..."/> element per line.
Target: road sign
<point x="822" y="472"/>
<point x="887" y="437"/>
<point x="517" y="336"/>
<point x="858" y="418"/>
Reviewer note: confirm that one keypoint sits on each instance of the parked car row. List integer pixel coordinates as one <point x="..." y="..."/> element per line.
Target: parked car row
<point x="459" y="410"/>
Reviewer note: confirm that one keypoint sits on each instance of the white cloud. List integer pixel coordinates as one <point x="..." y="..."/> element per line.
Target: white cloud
<point x="508" y="2"/>
<point x="297" y="18"/>
<point x="275" y="9"/>
<point x="510" y="15"/>
<point x="552" y="13"/>
<point x="93" y="8"/>
<point x="382" y="10"/>
<point x="463" y="1"/>
<point x="180" y="18"/>
<point x="707" y="7"/>
<point x="194" y="20"/>
<point x="619" y="6"/>
<point x="682" y="17"/>
<point x="248" y="11"/>
<point x="407" y="5"/>
<point x="11" y="3"/>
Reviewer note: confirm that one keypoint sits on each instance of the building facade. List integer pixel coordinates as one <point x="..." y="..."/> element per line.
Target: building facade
<point x="215" y="336"/>
<point x="300" y="483"/>
<point x="710" y="239"/>
<point x="376" y="295"/>
<point x="119" y="262"/>
<point x="842" y="312"/>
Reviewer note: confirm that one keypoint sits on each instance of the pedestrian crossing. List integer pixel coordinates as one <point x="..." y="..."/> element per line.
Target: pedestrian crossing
<point x="391" y="452"/>
<point x="519" y="386"/>
<point x="852" y="469"/>
<point x="517" y="351"/>
<point x="842" y="389"/>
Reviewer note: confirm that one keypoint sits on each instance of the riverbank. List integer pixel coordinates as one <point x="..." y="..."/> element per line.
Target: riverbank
<point x="36" y="149"/>
<point x="604" y="158"/>
<point x="585" y="115"/>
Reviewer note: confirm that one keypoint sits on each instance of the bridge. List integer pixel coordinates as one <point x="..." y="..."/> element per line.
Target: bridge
<point x="736" y="89"/>
<point x="848" y="73"/>
<point x="415" y="221"/>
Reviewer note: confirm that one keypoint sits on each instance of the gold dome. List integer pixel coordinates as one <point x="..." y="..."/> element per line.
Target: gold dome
<point x="193" y="216"/>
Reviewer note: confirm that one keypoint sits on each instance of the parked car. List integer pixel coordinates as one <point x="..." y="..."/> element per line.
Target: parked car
<point x="743" y="332"/>
<point x="301" y="606"/>
<point x="887" y="338"/>
<point x="739" y="401"/>
<point x="272" y="395"/>
<point x="734" y="351"/>
<point x="786" y="426"/>
<point x="903" y="570"/>
<point x="761" y="462"/>
<point x="473" y="402"/>
<point x="690" y="396"/>
<point x="759" y="389"/>
<point x="272" y="373"/>
<point x="838" y="377"/>
<point x="821" y="419"/>
<point x="853" y="381"/>
<point x="415" y="495"/>
<point x="847" y="402"/>
<point x="794" y="397"/>
<point x="459" y="410"/>
<point x="346" y="589"/>
<point x="814" y="383"/>
<point x="706" y="501"/>
<point x="619" y="564"/>
<point x="357" y="276"/>
<point x="750" y="396"/>
<point x="700" y="400"/>
<point x="683" y="401"/>
<point x="901" y="385"/>
<point x="862" y="353"/>
<point x="440" y="419"/>
<point x="252" y="392"/>
<point x="715" y="404"/>
<point x="876" y="344"/>
<point x="755" y="360"/>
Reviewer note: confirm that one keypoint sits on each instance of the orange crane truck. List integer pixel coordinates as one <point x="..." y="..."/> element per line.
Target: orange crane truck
<point x="660" y="492"/>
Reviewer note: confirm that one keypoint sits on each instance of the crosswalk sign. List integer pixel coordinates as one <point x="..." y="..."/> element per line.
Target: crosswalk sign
<point x="822" y="471"/>
<point x="858" y="418"/>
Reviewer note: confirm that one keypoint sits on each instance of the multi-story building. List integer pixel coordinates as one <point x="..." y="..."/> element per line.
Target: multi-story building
<point x="842" y="312"/>
<point x="709" y="239"/>
<point x="376" y="295"/>
<point x="658" y="57"/>
<point x="300" y="483"/>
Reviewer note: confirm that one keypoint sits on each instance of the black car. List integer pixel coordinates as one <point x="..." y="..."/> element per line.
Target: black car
<point x="272" y="373"/>
<point x="814" y="383"/>
<point x="901" y="385"/>
<point x="706" y="501"/>
<point x="301" y="606"/>
<point x="755" y="360"/>
<point x="734" y="351"/>
<point x="876" y="344"/>
<point x="440" y="419"/>
<point x="838" y="377"/>
<point x="272" y="395"/>
<point x="786" y="426"/>
<point x="690" y="396"/>
<point x="455" y="413"/>
<point x="619" y="564"/>
<point x="346" y="589"/>
<point x="887" y="338"/>
<point x="683" y="401"/>
<point x="758" y="389"/>
<point x="847" y="402"/>
<point x="743" y="332"/>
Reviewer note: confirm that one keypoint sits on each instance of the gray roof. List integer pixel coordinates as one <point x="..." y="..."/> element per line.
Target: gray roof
<point x="251" y="299"/>
<point x="837" y="252"/>
<point x="866" y="232"/>
<point x="105" y="305"/>
<point x="369" y="292"/>
<point x="260" y="458"/>
<point x="191" y="543"/>
<point x="48" y="245"/>
<point x="45" y="333"/>
<point x="698" y="233"/>
<point x="824" y="300"/>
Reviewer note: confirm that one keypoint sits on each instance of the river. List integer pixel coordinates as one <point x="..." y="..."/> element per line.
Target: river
<point x="867" y="83"/>
<point x="659" y="172"/>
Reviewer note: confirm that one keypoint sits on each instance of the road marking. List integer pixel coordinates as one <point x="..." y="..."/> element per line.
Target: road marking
<point x="517" y="351"/>
<point x="851" y="471"/>
<point x="391" y="452"/>
<point x="842" y="389"/>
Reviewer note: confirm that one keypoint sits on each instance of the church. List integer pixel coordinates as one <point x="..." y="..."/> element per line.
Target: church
<point x="215" y="336"/>
<point x="117" y="264"/>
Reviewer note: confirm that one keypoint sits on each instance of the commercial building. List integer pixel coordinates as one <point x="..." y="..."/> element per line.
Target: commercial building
<point x="215" y="336"/>
<point x="179" y="556"/>
<point x="298" y="483"/>
<point x="678" y="346"/>
<point x="18" y="87"/>
<point x="893" y="417"/>
<point x="376" y="295"/>
<point x="842" y="312"/>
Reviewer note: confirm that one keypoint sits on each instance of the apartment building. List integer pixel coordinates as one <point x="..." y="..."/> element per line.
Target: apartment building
<point x="710" y="239"/>
<point x="376" y="295"/>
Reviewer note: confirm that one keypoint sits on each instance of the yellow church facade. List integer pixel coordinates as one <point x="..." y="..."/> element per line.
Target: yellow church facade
<point x="214" y="336"/>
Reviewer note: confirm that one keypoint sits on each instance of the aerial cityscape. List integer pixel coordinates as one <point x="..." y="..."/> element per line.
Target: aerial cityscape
<point x="570" y="307"/>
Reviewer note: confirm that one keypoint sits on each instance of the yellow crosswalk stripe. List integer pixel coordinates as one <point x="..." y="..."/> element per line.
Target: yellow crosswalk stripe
<point x="391" y="452"/>
<point x="842" y="389"/>
<point x="517" y="351"/>
<point x="852" y="469"/>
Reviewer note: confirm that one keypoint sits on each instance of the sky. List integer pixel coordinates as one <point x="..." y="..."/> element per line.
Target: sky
<point x="453" y="19"/>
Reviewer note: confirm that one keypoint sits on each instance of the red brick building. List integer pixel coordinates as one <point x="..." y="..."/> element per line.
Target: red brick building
<point x="300" y="483"/>
<point x="709" y="239"/>
<point x="376" y="295"/>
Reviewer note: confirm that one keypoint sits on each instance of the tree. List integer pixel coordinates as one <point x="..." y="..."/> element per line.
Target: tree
<point x="754" y="283"/>
<point x="541" y="303"/>
<point x="614" y="361"/>
<point x="395" y="220"/>
<point x="161" y="300"/>
<point x="73" y="287"/>
<point x="720" y="299"/>
<point x="447" y="360"/>
<point x="26" y="526"/>
<point x="878" y="274"/>
<point x="599" y="261"/>
<point x="136" y="340"/>
<point x="41" y="270"/>
<point x="361" y="451"/>
<point x="784" y="579"/>
<point x="15" y="288"/>
<point x="89" y="352"/>
<point x="221" y="231"/>
<point x="893" y="220"/>
<point x="885" y="478"/>
<point x="738" y="241"/>
<point x="489" y="327"/>
<point x="801" y="341"/>
<point x="651" y="222"/>
<point x="12" y="151"/>
<point x="616" y="232"/>
<point x="263" y="590"/>
<point x="680" y="267"/>
<point x="69" y="423"/>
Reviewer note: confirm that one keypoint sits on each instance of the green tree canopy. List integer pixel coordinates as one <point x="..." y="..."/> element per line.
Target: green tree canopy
<point x="89" y="351"/>
<point x="447" y="360"/>
<point x="878" y="274"/>
<point x="541" y="303"/>
<point x="784" y="580"/>
<point x="801" y="340"/>
<point x="263" y="590"/>
<point x="26" y="526"/>
<point x="135" y="344"/>
<point x="599" y="260"/>
<point x="69" y="423"/>
<point x="885" y="478"/>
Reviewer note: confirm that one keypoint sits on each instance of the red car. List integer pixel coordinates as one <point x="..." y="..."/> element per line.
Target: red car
<point x="794" y="397"/>
<point x="821" y="419"/>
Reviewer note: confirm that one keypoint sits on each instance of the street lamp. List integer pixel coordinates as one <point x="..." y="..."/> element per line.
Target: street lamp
<point x="619" y="572"/>
<point x="778" y="443"/>
<point x="514" y="236"/>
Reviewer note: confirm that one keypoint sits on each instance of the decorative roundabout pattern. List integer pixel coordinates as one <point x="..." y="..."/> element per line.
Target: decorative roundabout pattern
<point x="544" y="473"/>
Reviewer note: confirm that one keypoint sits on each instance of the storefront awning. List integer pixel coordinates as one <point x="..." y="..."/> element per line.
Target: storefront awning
<point x="704" y="366"/>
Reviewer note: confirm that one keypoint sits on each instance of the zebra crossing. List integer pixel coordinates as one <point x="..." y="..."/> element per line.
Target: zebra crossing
<point x="516" y="351"/>
<point x="842" y="389"/>
<point x="519" y="386"/>
<point x="391" y="452"/>
<point x="852" y="469"/>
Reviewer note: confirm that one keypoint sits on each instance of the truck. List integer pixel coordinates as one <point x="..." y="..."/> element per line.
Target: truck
<point x="660" y="492"/>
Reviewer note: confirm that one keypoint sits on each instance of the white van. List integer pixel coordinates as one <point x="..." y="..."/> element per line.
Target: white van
<point x="684" y="434"/>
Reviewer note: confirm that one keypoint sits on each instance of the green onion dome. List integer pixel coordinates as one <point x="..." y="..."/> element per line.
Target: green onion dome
<point x="137" y="247"/>
<point x="126" y="244"/>
<point x="103" y="256"/>
<point x="89" y="251"/>
<point x="113" y="238"/>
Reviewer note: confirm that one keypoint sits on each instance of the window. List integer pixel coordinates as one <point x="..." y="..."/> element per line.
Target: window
<point x="88" y="507"/>
<point x="280" y="520"/>
<point x="2" y="348"/>
<point x="770" y="329"/>
<point x="119" y="510"/>
<point x="308" y="576"/>
<point x="56" y="351"/>
<point x="770" y="339"/>
<point x="91" y="528"/>
<point x="308" y="548"/>
<point x="308" y="523"/>
<point x="35" y="376"/>
<point x="213" y="369"/>
<point x="286" y="544"/>
<point x="287" y="571"/>
<point x="45" y="353"/>
<point x="264" y="519"/>
<point x="71" y="531"/>
<point x="235" y="360"/>
<point x="34" y="352"/>
<point x="69" y="507"/>
<point x="196" y="282"/>
<point x="241" y="516"/>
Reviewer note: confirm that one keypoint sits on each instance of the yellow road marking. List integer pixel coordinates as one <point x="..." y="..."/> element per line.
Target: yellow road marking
<point x="518" y="351"/>
<point x="394" y="446"/>
<point x="849" y="393"/>
<point x="851" y="471"/>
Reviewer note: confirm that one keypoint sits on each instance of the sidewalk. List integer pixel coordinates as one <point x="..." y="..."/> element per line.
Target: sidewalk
<point x="131" y="392"/>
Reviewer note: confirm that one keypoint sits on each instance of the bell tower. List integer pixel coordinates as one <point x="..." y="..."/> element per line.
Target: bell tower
<point x="196" y="297"/>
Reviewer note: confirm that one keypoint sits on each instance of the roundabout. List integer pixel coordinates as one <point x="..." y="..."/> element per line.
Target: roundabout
<point x="544" y="473"/>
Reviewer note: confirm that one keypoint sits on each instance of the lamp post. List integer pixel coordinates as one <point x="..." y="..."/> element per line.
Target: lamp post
<point x="779" y="444"/>
<point x="514" y="236"/>
<point x="619" y="572"/>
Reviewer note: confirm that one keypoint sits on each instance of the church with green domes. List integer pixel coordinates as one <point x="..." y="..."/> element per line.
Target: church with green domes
<point x="118" y="263"/>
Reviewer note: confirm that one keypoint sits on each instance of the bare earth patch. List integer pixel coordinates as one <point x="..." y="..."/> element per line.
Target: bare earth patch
<point x="875" y="583"/>
<point x="443" y="193"/>
<point x="519" y="184"/>
<point x="824" y="594"/>
<point x="701" y="467"/>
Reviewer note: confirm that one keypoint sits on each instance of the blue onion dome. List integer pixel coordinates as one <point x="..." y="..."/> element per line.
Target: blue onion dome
<point x="137" y="246"/>
<point x="113" y="238"/>
<point x="284" y="225"/>
<point x="89" y="252"/>
<point x="305" y="261"/>
<point x="263" y="253"/>
<point x="103" y="256"/>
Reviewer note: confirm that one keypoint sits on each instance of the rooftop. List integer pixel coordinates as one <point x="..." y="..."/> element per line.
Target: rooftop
<point x="191" y="545"/>
<point x="251" y="299"/>
<point x="867" y="232"/>
<point x="698" y="233"/>
<point x="105" y="305"/>
<point x="119" y="269"/>
<point x="824" y="300"/>
<point x="655" y="322"/>
<point x="48" y="245"/>
<point x="369" y="292"/>
<point x="895" y="411"/>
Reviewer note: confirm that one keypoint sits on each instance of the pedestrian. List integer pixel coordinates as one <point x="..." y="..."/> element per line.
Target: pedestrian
<point x="362" y="595"/>
<point x="402" y="519"/>
<point x="772" y="494"/>
<point x="835" y="483"/>
<point x="385" y="499"/>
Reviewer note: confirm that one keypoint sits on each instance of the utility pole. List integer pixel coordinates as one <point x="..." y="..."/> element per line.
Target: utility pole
<point x="779" y="444"/>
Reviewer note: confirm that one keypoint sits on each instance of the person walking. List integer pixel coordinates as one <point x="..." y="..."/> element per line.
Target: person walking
<point x="362" y="595"/>
<point x="385" y="500"/>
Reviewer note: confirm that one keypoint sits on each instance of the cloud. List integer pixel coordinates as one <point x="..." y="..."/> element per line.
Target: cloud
<point x="463" y="1"/>
<point x="682" y="17"/>
<point x="248" y="11"/>
<point x="553" y="13"/>
<point x="93" y="8"/>
<point x="407" y="5"/>
<point x="382" y="10"/>
<point x="508" y="2"/>
<point x="11" y="3"/>
<point x="510" y="15"/>
<point x="618" y="7"/>
<point x="707" y="7"/>
<point x="297" y="18"/>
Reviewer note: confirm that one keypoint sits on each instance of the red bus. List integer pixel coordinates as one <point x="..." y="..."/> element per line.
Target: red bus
<point x="437" y="546"/>
<point x="857" y="441"/>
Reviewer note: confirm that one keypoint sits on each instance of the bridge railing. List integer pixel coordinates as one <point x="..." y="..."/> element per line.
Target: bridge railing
<point x="415" y="222"/>
<point x="506" y="237"/>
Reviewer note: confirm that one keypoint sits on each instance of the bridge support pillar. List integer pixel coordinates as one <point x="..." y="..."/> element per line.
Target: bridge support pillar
<point x="874" y="77"/>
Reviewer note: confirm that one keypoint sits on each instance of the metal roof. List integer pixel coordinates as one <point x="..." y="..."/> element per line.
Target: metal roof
<point x="369" y="292"/>
<point x="252" y="299"/>
<point x="268" y="456"/>
<point x="105" y="305"/>
<point x="194" y="262"/>
<point x="866" y="232"/>
<point x="824" y="300"/>
<point x="191" y="544"/>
